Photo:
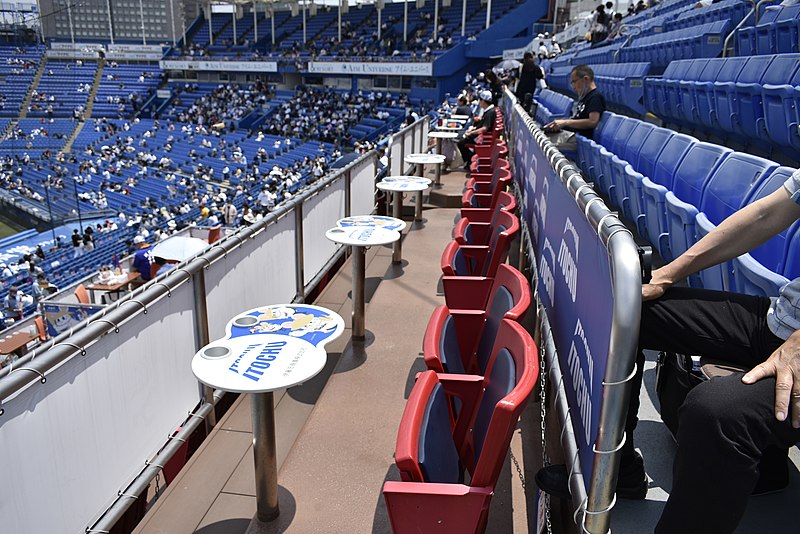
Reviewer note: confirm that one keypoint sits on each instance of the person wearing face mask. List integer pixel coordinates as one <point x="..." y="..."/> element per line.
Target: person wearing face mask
<point x="587" y="109"/>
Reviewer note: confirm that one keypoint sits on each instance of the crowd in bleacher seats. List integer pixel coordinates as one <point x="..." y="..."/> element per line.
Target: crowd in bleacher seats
<point x="226" y="103"/>
<point x="329" y="115"/>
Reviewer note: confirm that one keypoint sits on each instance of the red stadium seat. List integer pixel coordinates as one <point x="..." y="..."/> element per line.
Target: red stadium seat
<point x="477" y="260"/>
<point x="460" y="340"/>
<point x="468" y="232"/>
<point x="431" y="455"/>
<point x="505" y="201"/>
<point x="486" y="194"/>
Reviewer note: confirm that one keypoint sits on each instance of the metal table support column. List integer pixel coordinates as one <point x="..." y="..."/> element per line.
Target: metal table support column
<point x="265" y="456"/>
<point x="418" y="198"/>
<point x="438" y="180"/>
<point x="358" y="258"/>
<point x="397" y="213"/>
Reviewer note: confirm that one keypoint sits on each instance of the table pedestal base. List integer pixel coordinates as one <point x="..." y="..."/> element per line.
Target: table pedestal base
<point x="358" y="259"/>
<point x="397" y="208"/>
<point x="265" y="456"/>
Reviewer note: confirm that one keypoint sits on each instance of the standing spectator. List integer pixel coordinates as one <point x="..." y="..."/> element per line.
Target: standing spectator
<point x="88" y="241"/>
<point x="42" y="288"/>
<point x="599" y="27"/>
<point x="40" y="252"/>
<point x="229" y="213"/>
<point x="77" y="243"/>
<point x="529" y="75"/>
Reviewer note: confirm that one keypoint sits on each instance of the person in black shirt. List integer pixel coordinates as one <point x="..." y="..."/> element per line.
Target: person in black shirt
<point x="587" y="109"/>
<point x="463" y="106"/>
<point x="529" y="75"/>
<point x="485" y="126"/>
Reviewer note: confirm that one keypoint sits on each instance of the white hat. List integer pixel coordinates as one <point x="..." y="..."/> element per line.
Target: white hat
<point x="138" y="239"/>
<point x="485" y="95"/>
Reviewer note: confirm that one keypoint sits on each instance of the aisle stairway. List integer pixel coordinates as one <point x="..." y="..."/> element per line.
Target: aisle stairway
<point x="23" y="112"/>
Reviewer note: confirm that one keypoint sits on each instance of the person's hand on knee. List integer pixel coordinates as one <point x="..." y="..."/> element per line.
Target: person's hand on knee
<point x="784" y="365"/>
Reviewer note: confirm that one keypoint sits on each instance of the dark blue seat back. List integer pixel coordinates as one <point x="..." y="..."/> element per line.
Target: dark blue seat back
<point x="696" y="168"/>
<point x="650" y="150"/>
<point x="449" y="352"/>
<point x="622" y="135"/>
<point x="771" y="253"/>
<point x="639" y="135"/>
<point x="670" y="158"/>
<point x="732" y="183"/>
<point x="438" y="457"/>
<point x="502" y="380"/>
<point x="502" y="302"/>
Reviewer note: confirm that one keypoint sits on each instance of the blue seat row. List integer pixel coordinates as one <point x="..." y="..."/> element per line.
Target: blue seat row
<point x="704" y="40"/>
<point x="733" y="10"/>
<point x="676" y="189"/>
<point x="776" y="32"/>
<point x="749" y="99"/>
<point x="552" y="105"/>
<point x="620" y="83"/>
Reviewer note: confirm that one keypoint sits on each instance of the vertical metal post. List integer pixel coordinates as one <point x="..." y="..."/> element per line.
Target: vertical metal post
<point x="110" y="23"/>
<point x="403" y="153"/>
<point x="141" y="13"/>
<point x="78" y="204"/>
<point x="300" y="275"/>
<point x="265" y="456"/>
<point x="340" y="21"/>
<point x="397" y="213"/>
<point x="272" y="21"/>
<point x="379" y="23"/>
<point x="305" y="38"/>
<point x="435" y="19"/>
<point x="359" y="261"/>
<point x="488" y="13"/>
<point x="201" y="336"/>
<point x="463" y="17"/>
<point x="235" y="8"/>
<point x="348" y="194"/>
<point x="172" y="19"/>
<point x="210" y="29"/>
<point x="405" y="23"/>
<point x="71" y="28"/>
<point x="255" y="22"/>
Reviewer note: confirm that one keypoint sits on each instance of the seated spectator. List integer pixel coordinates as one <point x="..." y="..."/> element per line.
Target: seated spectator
<point x="585" y="114"/>
<point x="729" y="425"/>
<point x="14" y="303"/>
<point x="485" y="126"/>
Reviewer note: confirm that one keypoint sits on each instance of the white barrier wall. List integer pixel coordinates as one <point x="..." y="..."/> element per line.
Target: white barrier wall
<point x="362" y="186"/>
<point x="320" y="214"/>
<point x="91" y="426"/>
<point x="396" y="152"/>
<point x="261" y="271"/>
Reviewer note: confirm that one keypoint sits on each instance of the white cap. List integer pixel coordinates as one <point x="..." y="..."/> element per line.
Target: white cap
<point x="138" y="239"/>
<point x="485" y="95"/>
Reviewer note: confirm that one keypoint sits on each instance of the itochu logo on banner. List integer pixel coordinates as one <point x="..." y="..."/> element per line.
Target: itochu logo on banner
<point x="574" y="288"/>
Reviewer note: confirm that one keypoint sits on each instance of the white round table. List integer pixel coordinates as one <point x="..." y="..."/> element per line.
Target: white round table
<point x="439" y="136"/>
<point x="405" y="184"/>
<point x="390" y="223"/>
<point x="266" y="349"/>
<point x="459" y="117"/>
<point x="422" y="159"/>
<point x="359" y="238"/>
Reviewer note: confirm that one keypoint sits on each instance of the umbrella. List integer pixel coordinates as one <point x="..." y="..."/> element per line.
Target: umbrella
<point x="507" y="64"/>
<point x="179" y="248"/>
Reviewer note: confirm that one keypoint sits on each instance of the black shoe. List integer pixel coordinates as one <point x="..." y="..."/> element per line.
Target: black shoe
<point x="631" y="483"/>
<point x="632" y="480"/>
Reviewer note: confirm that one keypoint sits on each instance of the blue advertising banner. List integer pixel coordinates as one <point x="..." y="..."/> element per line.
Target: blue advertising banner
<point x="574" y="286"/>
<point x="62" y="317"/>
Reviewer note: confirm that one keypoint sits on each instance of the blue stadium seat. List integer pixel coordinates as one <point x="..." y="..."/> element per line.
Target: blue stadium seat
<point x="784" y="32"/>
<point x="780" y="99"/>
<point x="656" y="186"/>
<point x="763" y="34"/>
<point x="721" y="102"/>
<point x="727" y="190"/>
<point x="686" y="111"/>
<point x="703" y="92"/>
<point x="760" y="271"/>
<point x="682" y="200"/>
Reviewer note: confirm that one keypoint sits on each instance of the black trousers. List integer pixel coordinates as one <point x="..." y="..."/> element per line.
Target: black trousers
<point x="724" y="424"/>
<point x="466" y="151"/>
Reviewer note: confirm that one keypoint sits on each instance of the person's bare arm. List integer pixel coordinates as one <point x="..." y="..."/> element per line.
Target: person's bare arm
<point x="576" y="124"/>
<point x="741" y="232"/>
